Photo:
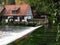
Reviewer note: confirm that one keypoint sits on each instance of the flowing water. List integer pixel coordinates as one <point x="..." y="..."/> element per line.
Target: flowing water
<point x="7" y="30"/>
<point x="42" y="36"/>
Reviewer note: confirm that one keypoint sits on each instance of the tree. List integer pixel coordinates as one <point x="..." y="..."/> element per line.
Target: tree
<point x="11" y="2"/>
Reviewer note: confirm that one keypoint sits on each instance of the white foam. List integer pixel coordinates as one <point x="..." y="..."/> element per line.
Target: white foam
<point x="16" y="35"/>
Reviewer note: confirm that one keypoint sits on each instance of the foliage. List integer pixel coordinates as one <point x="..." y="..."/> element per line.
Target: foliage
<point x="42" y="5"/>
<point x="11" y="1"/>
<point x="47" y="6"/>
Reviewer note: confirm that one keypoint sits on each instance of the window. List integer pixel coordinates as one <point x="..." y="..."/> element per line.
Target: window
<point x="14" y="17"/>
<point x="13" y="12"/>
<point x="22" y="17"/>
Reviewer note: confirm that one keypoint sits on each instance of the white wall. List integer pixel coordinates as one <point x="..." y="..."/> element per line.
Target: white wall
<point x="29" y="14"/>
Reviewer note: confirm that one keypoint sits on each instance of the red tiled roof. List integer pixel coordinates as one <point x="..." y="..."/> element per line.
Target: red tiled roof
<point x="22" y="12"/>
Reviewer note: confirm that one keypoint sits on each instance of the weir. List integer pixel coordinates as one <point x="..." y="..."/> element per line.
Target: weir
<point x="8" y="34"/>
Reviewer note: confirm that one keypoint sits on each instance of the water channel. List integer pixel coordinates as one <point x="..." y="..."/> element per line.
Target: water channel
<point x="7" y="30"/>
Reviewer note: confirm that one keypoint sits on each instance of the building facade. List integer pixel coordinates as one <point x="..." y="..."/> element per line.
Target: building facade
<point x="17" y="12"/>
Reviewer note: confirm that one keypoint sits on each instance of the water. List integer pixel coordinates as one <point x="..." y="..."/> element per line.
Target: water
<point x="13" y="28"/>
<point x="7" y="30"/>
<point x="42" y="36"/>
